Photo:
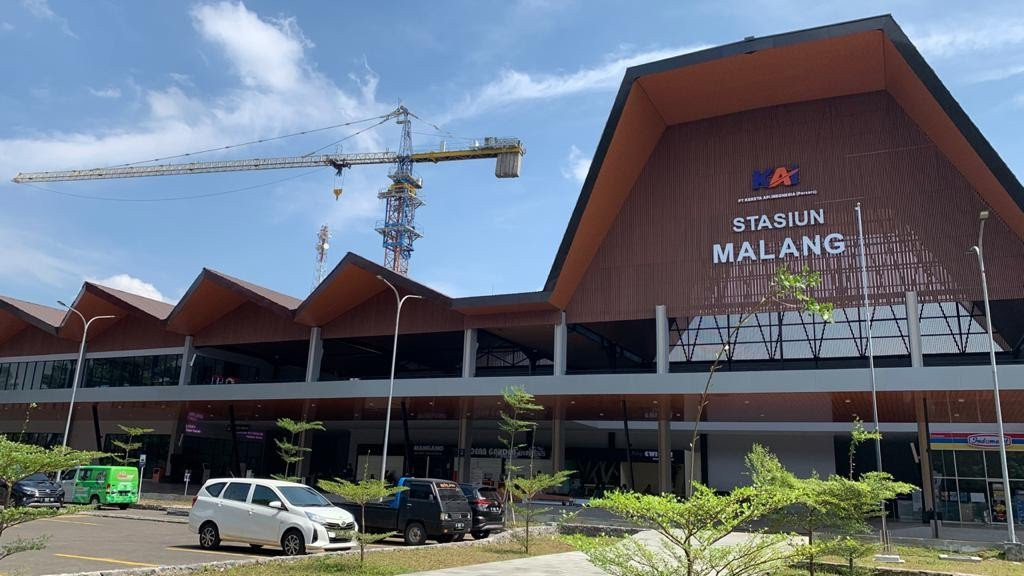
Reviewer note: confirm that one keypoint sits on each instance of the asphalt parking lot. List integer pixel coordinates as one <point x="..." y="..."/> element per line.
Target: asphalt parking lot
<point x="86" y="542"/>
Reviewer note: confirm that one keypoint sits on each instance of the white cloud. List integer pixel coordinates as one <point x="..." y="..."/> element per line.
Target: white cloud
<point x="133" y="285"/>
<point x="112" y="92"/>
<point x="516" y="86"/>
<point x="576" y="166"/>
<point x="33" y="259"/>
<point x="41" y="9"/>
<point x="6" y="26"/>
<point x="996" y="74"/>
<point x="958" y="37"/>
<point x="279" y="90"/>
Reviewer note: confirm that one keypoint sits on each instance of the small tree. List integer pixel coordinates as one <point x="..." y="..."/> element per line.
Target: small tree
<point x="787" y="290"/>
<point x="519" y="406"/>
<point x="18" y="461"/>
<point x="130" y="445"/>
<point x="525" y="490"/>
<point x="361" y="493"/>
<point x="691" y="534"/>
<point x="858" y="436"/>
<point x="288" y="450"/>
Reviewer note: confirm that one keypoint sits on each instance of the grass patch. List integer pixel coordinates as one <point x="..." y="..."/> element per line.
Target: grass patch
<point x="921" y="558"/>
<point x="403" y="561"/>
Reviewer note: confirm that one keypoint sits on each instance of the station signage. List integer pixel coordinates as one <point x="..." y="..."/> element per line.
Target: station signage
<point x="807" y="230"/>
<point x="974" y="441"/>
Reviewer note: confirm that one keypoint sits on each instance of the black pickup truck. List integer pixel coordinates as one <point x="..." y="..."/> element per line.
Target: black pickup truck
<point x="427" y="509"/>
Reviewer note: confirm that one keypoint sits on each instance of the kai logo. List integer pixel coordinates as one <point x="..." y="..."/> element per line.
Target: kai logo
<point x="772" y="178"/>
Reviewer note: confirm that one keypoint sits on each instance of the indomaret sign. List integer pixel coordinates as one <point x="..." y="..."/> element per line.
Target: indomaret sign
<point x="802" y="245"/>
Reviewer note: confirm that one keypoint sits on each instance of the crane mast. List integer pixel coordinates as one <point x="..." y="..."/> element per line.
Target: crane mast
<point x="401" y="197"/>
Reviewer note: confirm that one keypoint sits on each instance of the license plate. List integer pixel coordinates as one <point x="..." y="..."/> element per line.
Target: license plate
<point x="459" y="525"/>
<point x="332" y="535"/>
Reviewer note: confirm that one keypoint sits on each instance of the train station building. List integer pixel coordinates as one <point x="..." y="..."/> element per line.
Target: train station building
<point x="714" y="169"/>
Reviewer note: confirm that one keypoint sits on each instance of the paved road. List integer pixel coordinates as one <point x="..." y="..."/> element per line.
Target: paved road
<point x="84" y="542"/>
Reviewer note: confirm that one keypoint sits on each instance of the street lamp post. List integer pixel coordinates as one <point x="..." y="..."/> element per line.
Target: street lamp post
<point x="399" y="301"/>
<point x="1007" y="495"/>
<point x="884" y="534"/>
<point x="78" y="365"/>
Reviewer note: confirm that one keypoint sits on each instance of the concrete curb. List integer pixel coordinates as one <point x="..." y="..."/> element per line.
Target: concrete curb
<point x="222" y="565"/>
<point x="166" y="520"/>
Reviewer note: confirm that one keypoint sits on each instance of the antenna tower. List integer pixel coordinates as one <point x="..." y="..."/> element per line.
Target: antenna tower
<point x="402" y="199"/>
<point x="322" y="239"/>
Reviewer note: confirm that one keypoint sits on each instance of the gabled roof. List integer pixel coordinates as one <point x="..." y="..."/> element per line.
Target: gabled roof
<point x="502" y="303"/>
<point x="214" y="294"/>
<point x="855" y="57"/>
<point x="16" y="314"/>
<point x="354" y="281"/>
<point x="157" y="309"/>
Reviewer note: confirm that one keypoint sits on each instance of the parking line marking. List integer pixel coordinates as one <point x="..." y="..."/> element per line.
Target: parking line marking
<point x="62" y="521"/>
<point x="110" y="560"/>
<point x="222" y="553"/>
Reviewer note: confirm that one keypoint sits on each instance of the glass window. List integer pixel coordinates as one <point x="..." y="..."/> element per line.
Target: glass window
<point x="215" y="488"/>
<point x="19" y="377"/>
<point x="419" y="491"/>
<point x="263" y="495"/>
<point x="237" y="491"/>
<point x="304" y="496"/>
<point x="969" y="464"/>
<point x="37" y="376"/>
<point x="85" y="474"/>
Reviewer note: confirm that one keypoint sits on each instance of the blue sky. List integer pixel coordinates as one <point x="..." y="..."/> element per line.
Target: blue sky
<point x="104" y="82"/>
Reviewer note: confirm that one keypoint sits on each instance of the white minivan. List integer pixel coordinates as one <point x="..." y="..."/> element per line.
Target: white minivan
<point x="269" y="513"/>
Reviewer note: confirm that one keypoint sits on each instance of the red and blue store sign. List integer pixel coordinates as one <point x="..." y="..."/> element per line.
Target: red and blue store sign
<point x="974" y="441"/>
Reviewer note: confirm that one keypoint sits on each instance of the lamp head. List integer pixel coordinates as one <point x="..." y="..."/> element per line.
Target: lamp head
<point x="61" y="302"/>
<point x="983" y="215"/>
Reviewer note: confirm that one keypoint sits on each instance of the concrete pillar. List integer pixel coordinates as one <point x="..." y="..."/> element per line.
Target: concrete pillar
<point x="664" y="446"/>
<point x="558" y="437"/>
<point x="469" y="346"/>
<point x="465" y="447"/>
<point x="186" y="362"/>
<point x="661" y="338"/>
<point x="561" y="341"/>
<point x="924" y="455"/>
<point x="914" y="330"/>
<point x="315" y="355"/>
<point x="172" y="446"/>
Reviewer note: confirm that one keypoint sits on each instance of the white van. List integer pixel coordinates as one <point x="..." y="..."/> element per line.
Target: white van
<point x="269" y="513"/>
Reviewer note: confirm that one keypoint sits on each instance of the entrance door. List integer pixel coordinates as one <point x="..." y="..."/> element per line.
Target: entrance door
<point x="997" y="501"/>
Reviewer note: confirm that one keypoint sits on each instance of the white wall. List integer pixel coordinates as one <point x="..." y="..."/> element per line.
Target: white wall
<point x="801" y="454"/>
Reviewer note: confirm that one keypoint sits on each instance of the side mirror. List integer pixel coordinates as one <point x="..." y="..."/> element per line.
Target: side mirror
<point x="277" y="505"/>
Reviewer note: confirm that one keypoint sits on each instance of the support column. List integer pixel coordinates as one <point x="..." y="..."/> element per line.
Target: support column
<point x="465" y="448"/>
<point x="925" y="460"/>
<point x="315" y="355"/>
<point x="661" y="338"/>
<point x="561" y="340"/>
<point x="469" y="346"/>
<point x="172" y="444"/>
<point x="914" y="330"/>
<point x="186" y="362"/>
<point x="665" y="446"/>
<point x="558" y="436"/>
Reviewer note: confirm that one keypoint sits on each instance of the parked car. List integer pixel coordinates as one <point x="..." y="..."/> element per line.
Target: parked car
<point x="269" y="513"/>
<point x="488" y="513"/>
<point x="428" y="509"/>
<point x="102" y="486"/>
<point x="35" y="491"/>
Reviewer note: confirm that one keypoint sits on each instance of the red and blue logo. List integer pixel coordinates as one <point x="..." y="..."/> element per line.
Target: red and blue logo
<point x="774" y="177"/>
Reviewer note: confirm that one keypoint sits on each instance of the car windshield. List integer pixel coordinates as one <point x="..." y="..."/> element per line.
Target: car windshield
<point x="489" y="493"/>
<point x="37" y="478"/>
<point x="303" y="496"/>
<point x="451" y="495"/>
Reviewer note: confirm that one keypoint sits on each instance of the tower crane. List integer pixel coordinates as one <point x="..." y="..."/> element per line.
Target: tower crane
<point x="401" y="197"/>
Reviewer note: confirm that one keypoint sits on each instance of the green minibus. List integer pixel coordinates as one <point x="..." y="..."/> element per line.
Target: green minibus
<point x="102" y="486"/>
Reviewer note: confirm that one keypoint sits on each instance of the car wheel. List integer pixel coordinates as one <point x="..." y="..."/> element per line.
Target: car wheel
<point x="122" y="506"/>
<point x="209" y="536"/>
<point x="293" y="543"/>
<point x="481" y="535"/>
<point x="460" y="537"/>
<point x="95" y="501"/>
<point x="445" y="538"/>
<point x="415" y="534"/>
